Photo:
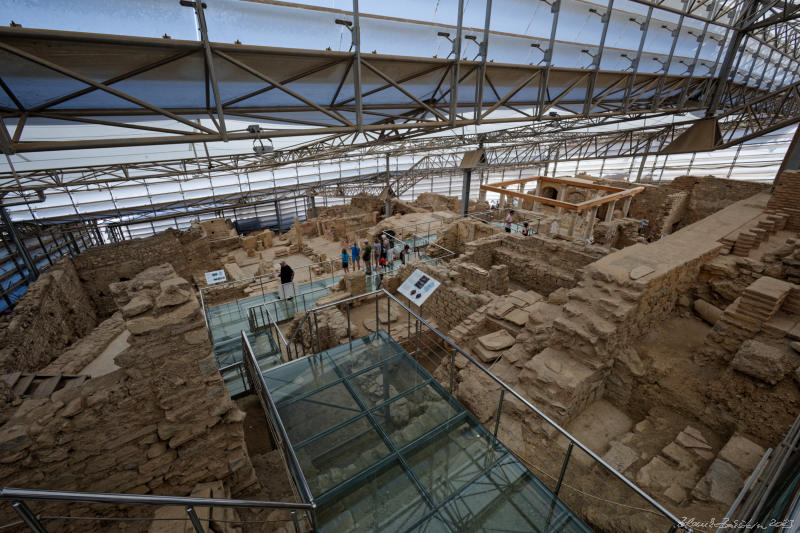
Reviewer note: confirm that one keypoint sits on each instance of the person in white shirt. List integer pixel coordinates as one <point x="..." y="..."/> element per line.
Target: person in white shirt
<point x="509" y="219"/>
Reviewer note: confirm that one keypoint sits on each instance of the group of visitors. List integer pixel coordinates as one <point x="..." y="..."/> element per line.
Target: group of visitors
<point x="378" y="256"/>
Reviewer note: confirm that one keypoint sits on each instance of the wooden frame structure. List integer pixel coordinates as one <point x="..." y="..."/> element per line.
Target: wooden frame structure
<point x="605" y="194"/>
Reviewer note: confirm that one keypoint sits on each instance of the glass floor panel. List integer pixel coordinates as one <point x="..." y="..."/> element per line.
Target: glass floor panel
<point x="386" y="449"/>
<point x="227" y="321"/>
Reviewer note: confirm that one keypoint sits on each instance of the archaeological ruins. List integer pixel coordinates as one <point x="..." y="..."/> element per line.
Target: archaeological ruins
<point x="276" y="266"/>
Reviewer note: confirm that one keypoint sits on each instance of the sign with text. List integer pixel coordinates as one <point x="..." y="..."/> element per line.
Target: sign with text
<point x="215" y="277"/>
<point x="418" y="287"/>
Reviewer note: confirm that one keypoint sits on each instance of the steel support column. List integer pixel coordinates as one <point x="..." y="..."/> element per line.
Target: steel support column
<point x="357" y="67"/>
<point x="465" y="187"/>
<point x="313" y="204"/>
<point x="199" y="9"/>
<point x="454" y="74"/>
<point x="33" y="272"/>
<point x="481" y="77"/>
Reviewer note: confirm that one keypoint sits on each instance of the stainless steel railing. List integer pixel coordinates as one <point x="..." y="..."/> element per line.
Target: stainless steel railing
<point x="416" y="343"/>
<point x="20" y="497"/>
<point x="258" y="385"/>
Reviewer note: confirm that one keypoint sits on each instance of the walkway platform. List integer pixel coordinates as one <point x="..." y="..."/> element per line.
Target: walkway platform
<point x="385" y="448"/>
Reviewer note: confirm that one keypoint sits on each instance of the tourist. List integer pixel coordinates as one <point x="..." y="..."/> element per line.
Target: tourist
<point x="381" y="270"/>
<point x="525" y="230"/>
<point x="404" y="254"/>
<point x="377" y="253"/>
<point x="367" y="257"/>
<point x="390" y="256"/>
<point x="355" y="252"/>
<point x="287" y="276"/>
<point x="386" y="246"/>
<point x="345" y="260"/>
<point x="509" y="219"/>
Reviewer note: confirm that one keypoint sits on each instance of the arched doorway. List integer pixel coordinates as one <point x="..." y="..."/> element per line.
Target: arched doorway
<point x="550" y="192"/>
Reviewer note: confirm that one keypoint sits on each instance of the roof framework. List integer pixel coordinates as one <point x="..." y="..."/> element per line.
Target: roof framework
<point x="644" y="73"/>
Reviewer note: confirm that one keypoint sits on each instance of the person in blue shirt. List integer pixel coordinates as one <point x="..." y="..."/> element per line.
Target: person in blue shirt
<point x="355" y="252"/>
<point x="345" y="259"/>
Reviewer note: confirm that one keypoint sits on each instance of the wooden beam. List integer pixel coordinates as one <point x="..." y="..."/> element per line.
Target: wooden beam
<point x="620" y="193"/>
<point x="610" y="198"/>
<point x="538" y="199"/>
<point x="565" y="181"/>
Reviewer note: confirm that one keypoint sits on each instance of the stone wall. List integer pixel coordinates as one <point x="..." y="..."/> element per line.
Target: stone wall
<point x="786" y="197"/>
<point x="477" y="279"/>
<point x="535" y="262"/>
<point x="709" y="194"/>
<point x="100" y="266"/>
<point x="705" y="196"/>
<point x="457" y="234"/>
<point x="450" y="304"/>
<point x="367" y="203"/>
<point x="53" y="313"/>
<point x="159" y="424"/>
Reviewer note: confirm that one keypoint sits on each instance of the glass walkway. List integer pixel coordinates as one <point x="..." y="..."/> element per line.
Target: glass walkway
<point x="227" y="321"/>
<point x="385" y="448"/>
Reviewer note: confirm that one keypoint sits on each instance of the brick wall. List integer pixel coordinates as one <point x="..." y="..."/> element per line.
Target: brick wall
<point x="98" y="267"/>
<point x="709" y="194"/>
<point x="786" y="197"/>
<point x="535" y="262"/>
<point x="477" y="279"/>
<point x="159" y="424"/>
<point x="450" y="304"/>
<point x="53" y="313"/>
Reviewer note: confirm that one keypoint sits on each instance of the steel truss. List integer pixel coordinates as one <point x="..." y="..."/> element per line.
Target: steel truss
<point x="503" y="93"/>
<point x="526" y="146"/>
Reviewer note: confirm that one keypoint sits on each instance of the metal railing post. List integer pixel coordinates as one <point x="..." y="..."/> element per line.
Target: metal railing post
<point x="28" y="517"/>
<point x="349" y="336"/>
<point x="416" y="346"/>
<point x="294" y="521"/>
<point x="195" y="521"/>
<point x="389" y="316"/>
<point x="377" y="318"/>
<point x="316" y="327"/>
<point x="310" y="336"/>
<point x="499" y="412"/>
<point x="452" y="370"/>
<point x="563" y="469"/>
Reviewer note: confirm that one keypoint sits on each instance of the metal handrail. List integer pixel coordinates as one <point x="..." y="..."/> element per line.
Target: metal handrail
<point x="674" y="519"/>
<point x="325" y="306"/>
<point x="16" y="494"/>
<point x="18" y="497"/>
<point x="677" y="523"/>
<point x="249" y="357"/>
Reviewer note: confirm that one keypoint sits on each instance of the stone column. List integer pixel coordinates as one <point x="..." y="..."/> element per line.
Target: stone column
<point x="626" y="205"/>
<point x="538" y="193"/>
<point x="590" y="222"/>
<point x="610" y="211"/>
<point x="560" y="195"/>
<point x="572" y="222"/>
